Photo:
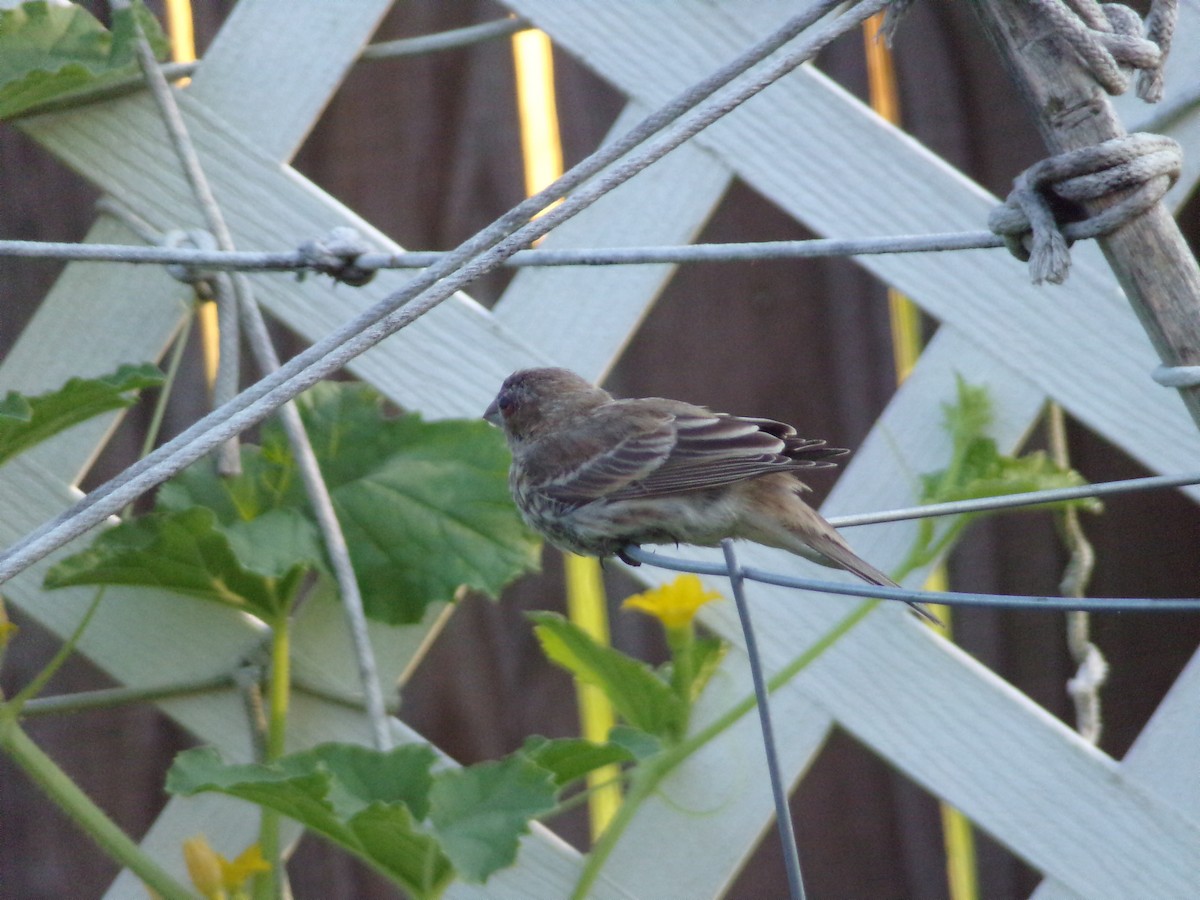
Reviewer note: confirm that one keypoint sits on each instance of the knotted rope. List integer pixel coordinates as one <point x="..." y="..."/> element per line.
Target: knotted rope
<point x="1049" y="193"/>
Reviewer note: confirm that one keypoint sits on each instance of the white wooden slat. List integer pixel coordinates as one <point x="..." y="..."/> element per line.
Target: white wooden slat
<point x="276" y="63"/>
<point x="269" y="206"/>
<point x="1165" y="759"/>
<point x="1162" y="761"/>
<point x="276" y="89"/>
<point x="582" y="317"/>
<point x="323" y="655"/>
<point x="807" y="144"/>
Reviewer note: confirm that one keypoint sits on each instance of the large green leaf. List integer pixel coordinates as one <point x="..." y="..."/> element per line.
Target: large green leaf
<point x="185" y="552"/>
<point x="26" y="421"/>
<point x="424" y="505"/>
<point x="387" y="808"/>
<point x="47" y="51"/>
<point x="479" y="813"/>
<point x="638" y="695"/>
<point x="361" y="799"/>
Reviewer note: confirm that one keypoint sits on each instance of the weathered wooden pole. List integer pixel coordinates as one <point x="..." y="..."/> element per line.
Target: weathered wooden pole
<point x="1148" y="254"/>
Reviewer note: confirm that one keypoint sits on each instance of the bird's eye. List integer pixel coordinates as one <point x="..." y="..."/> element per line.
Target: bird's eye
<point x="506" y="403"/>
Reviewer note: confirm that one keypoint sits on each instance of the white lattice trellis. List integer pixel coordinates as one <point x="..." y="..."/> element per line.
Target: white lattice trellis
<point x="1094" y="827"/>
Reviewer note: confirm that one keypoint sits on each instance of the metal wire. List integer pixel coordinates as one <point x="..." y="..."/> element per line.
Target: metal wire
<point x="295" y="260"/>
<point x="1010" y="501"/>
<point x="948" y="598"/>
<point x="783" y="814"/>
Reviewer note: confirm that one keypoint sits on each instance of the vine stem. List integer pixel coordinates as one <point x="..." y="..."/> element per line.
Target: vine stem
<point x="83" y="811"/>
<point x="268" y="885"/>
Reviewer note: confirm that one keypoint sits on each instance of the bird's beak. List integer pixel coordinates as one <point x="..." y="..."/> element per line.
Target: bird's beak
<point x="492" y="414"/>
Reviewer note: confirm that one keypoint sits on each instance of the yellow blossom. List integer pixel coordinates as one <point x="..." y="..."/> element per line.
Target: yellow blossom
<point x="248" y="863"/>
<point x="204" y="866"/>
<point x="213" y="875"/>
<point x="674" y="604"/>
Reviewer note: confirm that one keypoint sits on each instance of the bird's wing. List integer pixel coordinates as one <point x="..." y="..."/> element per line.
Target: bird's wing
<point x="631" y="455"/>
<point x="715" y="449"/>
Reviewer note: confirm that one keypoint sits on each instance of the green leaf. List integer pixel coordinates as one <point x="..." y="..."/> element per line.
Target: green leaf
<point x="47" y="52"/>
<point x="391" y="840"/>
<point x="366" y="801"/>
<point x="569" y="759"/>
<point x="978" y="469"/>
<point x="479" y="813"/>
<point x="184" y="552"/>
<point x="425" y="505"/>
<point x="266" y="483"/>
<point x="638" y="695"/>
<point x="26" y="421"/>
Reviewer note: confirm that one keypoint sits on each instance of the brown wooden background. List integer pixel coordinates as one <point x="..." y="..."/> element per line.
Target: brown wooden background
<point x="426" y="149"/>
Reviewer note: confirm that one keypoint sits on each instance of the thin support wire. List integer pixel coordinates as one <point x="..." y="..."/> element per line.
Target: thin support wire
<point x="225" y="387"/>
<point x="948" y="598"/>
<point x="1011" y="501"/>
<point x="297" y="261"/>
<point x="331" y="529"/>
<point x="234" y="295"/>
<point x="783" y="814"/>
<point x="468" y="262"/>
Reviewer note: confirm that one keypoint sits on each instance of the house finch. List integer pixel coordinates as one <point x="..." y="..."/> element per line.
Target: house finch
<point x="594" y="474"/>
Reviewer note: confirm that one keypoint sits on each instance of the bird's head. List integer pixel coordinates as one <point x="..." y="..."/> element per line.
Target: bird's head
<point x="533" y="402"/>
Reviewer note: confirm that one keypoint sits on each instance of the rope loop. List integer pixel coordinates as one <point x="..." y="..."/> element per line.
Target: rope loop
<point x="195" y="239"/>
<point x="1045" y="211"/>
<point x="337" y="255"/>
<point x="1111" y="39"/>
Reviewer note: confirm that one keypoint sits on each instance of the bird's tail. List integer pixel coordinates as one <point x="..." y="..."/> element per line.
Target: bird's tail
<point x="830" y="545"/>
<point x="795" y="526"/>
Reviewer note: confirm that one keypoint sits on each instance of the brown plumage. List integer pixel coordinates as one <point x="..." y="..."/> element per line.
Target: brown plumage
<point x="594" y="474"/>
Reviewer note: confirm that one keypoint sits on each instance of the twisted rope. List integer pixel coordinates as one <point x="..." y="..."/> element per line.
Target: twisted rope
<point x="1142" y="166"/>
<point x="1111" y="39"/>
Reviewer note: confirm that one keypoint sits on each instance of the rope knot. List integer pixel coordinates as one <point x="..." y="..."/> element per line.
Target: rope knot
<point x="337" y="255"/>
<point x="1045" y="212"/>
<point x="1111" y="39"/>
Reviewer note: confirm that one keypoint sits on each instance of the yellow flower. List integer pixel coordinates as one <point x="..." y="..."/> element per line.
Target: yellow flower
<point x="248" y="863"/>
<point x="215" y="876"/>
<point x="674" y="604"/>
<point x="204" y="866"/>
